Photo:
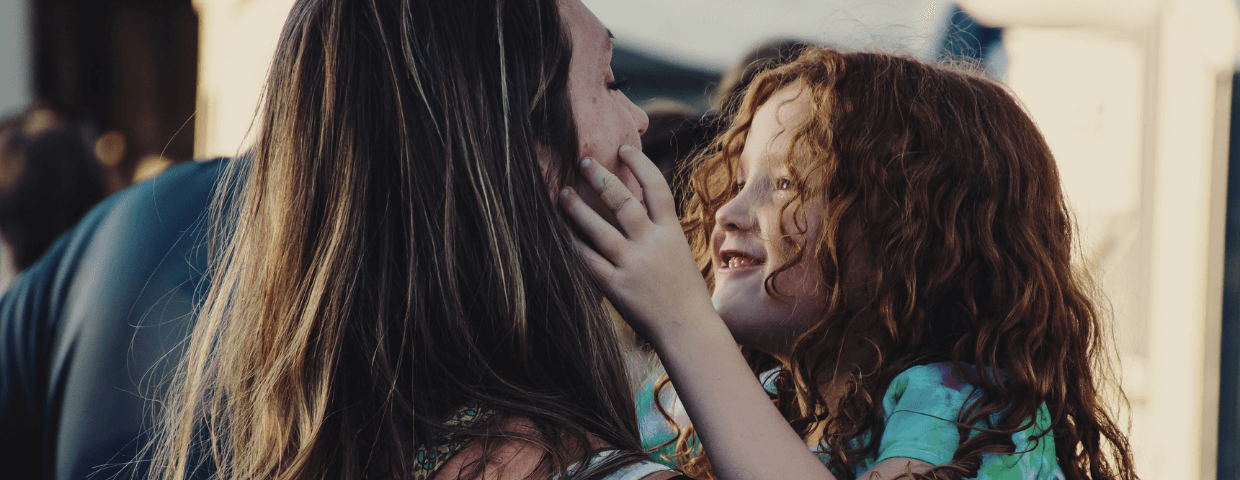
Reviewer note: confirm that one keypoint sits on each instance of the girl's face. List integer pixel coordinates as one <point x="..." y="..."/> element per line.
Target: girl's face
<point x="748" y="245"/>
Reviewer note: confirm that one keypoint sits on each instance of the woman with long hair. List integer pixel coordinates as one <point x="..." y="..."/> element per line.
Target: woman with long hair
<point x="394" y="294"/>
<point x="890" y="240"/>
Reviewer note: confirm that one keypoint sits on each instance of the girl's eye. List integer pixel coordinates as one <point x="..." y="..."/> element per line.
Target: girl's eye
<point x="783" y="183"/>
<point x="736" y="188"/>
<point x="618" y="84"/>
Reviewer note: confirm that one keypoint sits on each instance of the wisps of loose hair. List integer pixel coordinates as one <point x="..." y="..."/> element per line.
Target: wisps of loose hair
<point x="942" y="183"/>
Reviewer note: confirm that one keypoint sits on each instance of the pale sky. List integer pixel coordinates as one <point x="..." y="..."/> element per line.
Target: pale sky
<point x="715" y="33"/>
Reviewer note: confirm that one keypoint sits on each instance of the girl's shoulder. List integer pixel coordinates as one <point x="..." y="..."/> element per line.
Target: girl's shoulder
<point x="922" y="408"/>
<point x="933" y="389"/>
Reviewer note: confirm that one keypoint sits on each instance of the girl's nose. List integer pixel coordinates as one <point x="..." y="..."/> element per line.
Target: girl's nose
<point x="738" y="214"/>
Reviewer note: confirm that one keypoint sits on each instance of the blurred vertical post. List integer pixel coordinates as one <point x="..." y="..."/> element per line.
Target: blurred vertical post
<point x="15" y="91"/>
<point x="1134" y="98"/>
<point x="15" y="88"/>
<point x="1229" y="371"/>
<point x="237" y="41"/>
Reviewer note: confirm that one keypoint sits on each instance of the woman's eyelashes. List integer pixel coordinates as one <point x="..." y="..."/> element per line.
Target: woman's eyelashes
<point x="618" y="85"/>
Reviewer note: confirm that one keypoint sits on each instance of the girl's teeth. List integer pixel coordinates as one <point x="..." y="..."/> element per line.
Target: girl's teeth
<point x="737" y="262"/>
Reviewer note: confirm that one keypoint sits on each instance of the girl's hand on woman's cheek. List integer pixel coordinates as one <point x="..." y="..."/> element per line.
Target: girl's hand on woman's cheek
<point x="646" y="265"/>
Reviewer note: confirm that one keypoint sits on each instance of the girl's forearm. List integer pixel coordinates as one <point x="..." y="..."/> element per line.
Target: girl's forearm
<point x="743" y="433"/>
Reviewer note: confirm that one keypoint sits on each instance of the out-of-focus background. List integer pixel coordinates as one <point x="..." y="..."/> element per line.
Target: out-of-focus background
<point x="1134" y="96"/>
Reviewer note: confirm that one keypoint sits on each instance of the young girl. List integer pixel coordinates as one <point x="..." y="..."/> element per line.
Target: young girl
<point x="891" y="239"/>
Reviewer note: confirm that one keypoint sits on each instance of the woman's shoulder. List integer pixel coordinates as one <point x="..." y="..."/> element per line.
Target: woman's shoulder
<point x="509" y="459"/>
<point x="446" y="447"/>
<point x="513" y="458"/>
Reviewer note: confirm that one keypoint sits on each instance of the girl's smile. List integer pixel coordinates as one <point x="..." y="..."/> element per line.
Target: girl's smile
<point x="733" y="260"/>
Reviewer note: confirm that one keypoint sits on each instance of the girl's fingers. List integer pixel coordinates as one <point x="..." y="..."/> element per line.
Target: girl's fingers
<point x="629" y="212"/>
<point x="602" y="268"/>
<point x="659" y="198"/>
<point x="607" y="240"/>
<point x="613" y="192"/>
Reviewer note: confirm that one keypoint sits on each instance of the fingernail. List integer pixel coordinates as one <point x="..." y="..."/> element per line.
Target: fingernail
<point x="585" y="162"/>
<point x="564" y="192"/>
<point x="625" y="148"/>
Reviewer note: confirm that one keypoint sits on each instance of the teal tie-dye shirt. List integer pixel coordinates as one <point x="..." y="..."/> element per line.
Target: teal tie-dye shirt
<point x="921" y="407"/>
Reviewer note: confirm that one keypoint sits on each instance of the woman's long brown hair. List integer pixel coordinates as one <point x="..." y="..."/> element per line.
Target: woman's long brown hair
<point x="391" y="253"/>
<point x="940" y="182"/>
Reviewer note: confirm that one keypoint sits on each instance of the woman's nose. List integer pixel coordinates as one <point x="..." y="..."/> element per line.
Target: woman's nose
<point x="639" y="117"/>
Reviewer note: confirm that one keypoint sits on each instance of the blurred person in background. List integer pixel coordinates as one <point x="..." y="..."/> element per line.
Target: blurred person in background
<point x="88" y="333"/>
<point x="764" y="56"/>
<point x="48" y="179"/>
<point x="674" y="133"/>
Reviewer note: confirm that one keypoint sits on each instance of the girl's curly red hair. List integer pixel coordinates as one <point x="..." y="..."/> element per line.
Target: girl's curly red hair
<point x="945" y="185"/>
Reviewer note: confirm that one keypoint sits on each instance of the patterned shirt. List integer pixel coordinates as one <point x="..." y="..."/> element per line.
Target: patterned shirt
<point x="921" y="407"/>
<point x="430" y="457"/>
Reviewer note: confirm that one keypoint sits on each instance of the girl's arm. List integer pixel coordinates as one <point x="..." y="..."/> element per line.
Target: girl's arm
<point x="651" y="277"/>
<point x="649" y="273"/>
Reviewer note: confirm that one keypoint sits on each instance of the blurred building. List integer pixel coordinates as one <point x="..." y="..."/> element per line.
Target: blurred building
<point x="1134" y="99"/>
<point x="124" y="69"/>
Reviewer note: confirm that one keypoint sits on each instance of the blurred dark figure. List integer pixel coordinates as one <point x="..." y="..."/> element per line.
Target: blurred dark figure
<point x="91" y="332"/>
<point x="766" y="55"/>
<point x="965" y="40"/>
<point x="731" y="89"/>
<point x="48" y="179"/>
<point x="127" y="70"/>
<point x="674" y="134"/>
